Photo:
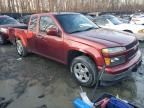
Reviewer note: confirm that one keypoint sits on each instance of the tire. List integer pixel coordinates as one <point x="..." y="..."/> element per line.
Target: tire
<point x="2" y="40"/>
<point x="84" y="71"/>
<point x="21" y="50"/>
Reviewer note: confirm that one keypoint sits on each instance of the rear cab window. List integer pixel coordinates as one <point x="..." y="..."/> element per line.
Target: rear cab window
<point x="33" y="23"/>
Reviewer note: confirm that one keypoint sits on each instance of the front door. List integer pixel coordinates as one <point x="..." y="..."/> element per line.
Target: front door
<point x="49" y="45"/>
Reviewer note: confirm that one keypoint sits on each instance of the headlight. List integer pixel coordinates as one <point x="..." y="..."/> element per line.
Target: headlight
<point x="109" y="51"/>
<point x="114" y="61"/>
<point x="3" y="30"/>
<point x="141" y="31"/>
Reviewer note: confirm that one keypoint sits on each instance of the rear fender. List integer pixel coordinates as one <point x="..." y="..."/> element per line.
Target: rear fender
<point x="23" y="38"/>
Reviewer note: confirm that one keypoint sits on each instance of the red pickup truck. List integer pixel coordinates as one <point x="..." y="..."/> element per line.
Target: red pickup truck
<point x="72" y="39"/>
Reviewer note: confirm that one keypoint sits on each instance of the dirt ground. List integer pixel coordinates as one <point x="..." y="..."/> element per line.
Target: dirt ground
<point x="37" y="82"/>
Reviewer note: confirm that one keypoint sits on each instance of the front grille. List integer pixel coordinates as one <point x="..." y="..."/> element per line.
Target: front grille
<point x="132" y="52"/>
<point x="132" y="45"/>
<point x="132" y="49"/>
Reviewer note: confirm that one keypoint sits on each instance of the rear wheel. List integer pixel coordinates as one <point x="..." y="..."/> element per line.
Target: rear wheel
<point x="22" y="51"/>
<point x="2" y="40"/>
<point x="84" y="71"/>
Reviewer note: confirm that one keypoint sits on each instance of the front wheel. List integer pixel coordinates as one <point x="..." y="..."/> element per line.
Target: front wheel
<point x="22" y="51"/>
<point x="84" y="71"/>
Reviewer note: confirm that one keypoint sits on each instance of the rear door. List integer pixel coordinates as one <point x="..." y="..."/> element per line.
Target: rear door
<point x="49" y="45"/>
<point x="32" y="32"/>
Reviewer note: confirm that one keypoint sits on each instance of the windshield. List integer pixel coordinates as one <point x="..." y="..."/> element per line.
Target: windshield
<point x="72" y="23"/>
<point x="7" y="20"/>
<point x="115" y="20"/>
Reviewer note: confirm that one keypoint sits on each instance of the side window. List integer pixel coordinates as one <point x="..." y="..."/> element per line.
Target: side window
<point x="45" y="23"/>
<point x="33" y="23"/>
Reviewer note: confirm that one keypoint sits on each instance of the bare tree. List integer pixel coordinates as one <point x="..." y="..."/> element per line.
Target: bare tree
<point x="70" y="5"/>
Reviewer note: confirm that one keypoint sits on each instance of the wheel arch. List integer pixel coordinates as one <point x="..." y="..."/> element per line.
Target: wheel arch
<point x="75" y="53"/>
<point x="24" y="41"/>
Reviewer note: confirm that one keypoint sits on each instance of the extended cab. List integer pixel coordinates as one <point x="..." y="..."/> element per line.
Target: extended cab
<point x="72" y="39"/>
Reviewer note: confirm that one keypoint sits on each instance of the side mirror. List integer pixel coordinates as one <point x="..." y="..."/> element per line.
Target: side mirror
<point x="52" y="31"/>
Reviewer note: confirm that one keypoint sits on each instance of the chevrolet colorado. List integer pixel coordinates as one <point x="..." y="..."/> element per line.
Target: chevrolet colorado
<point x="72" y="39"/>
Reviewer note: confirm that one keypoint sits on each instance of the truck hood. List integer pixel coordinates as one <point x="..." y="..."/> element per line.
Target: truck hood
<point x="106" y="37"/>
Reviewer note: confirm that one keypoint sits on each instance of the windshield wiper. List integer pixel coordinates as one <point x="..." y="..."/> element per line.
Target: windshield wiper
<point x="76" y="31"/>
<point x="84" y="30"/>
<point x="90" y="28"/>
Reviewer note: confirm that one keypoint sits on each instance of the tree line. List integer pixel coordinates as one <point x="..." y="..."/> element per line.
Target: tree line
<point x="34" y="6"/>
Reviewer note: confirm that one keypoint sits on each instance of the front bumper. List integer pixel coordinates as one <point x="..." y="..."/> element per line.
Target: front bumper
<point x="123" y="75"/>
<point x="123" y="71"/>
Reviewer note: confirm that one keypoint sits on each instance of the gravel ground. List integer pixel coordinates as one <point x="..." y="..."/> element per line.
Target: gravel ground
<point x="37" y="82"/>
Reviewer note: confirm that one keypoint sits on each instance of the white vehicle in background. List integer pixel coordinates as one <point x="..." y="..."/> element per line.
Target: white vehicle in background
<point x="112" y="22"/>
<point x="137" y="19"/>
